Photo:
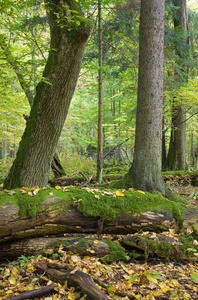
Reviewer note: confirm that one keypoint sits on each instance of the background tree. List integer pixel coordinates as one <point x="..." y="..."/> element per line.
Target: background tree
<point x="100" y="96"/>
<point x="145" y="172"/>
<point x="176" y="158"/>
<point x="69" y="32"/>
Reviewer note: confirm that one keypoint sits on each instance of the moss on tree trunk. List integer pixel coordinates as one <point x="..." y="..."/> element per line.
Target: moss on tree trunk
<point x="69" y="32"/>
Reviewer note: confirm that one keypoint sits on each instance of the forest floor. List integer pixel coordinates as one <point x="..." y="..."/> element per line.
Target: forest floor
<point x="136" y="279"/>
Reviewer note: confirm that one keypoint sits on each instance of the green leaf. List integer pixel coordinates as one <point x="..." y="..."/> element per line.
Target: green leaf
<point x="194" y="276"/>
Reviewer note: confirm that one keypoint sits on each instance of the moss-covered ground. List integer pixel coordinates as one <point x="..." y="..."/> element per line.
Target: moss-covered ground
<point x="95" y="202"/>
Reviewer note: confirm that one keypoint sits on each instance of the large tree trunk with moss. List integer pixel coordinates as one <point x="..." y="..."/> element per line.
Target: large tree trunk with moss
<point x="145" y="172"/>
<point x="176" y="158"/>
<point x="69" y="32"/>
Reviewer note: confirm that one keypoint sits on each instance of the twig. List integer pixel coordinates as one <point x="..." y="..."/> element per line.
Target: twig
<point x="115" y="147"/>
<point x="87" y="181"/>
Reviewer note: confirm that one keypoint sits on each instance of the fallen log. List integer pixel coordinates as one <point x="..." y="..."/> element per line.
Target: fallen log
<point x="81" y="210"/>
<point x="33" y="246"/>
<point x="164" y="245"/>
<point x="73" y="276"/>
<point x="53" y="221"/>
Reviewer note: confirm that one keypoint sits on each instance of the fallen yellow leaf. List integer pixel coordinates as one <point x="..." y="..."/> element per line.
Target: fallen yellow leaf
<point x="141" y="192"/>
<point x="111" y="291"/>
<point x="120" y="194"/>
<point x="57" y="187"/>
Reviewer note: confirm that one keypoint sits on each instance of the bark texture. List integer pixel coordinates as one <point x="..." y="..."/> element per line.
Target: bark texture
<point x="53" y="95"/>
<point x="176" y="158"/>
<point x="146" y="167"/>
<point x="100" y="100"/>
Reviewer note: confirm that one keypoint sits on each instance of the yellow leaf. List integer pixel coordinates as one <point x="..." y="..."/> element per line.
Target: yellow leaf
<point x="71" y="296"/>
<point x="57" y="187"/>
<point x="25" y="188"/>
<point x="131" y="189"/>
<point x="95" y="241"/>
<point x="172" y="231"/>
<point x="141" y="192"/>
<point x="12" y="280"/>
<point x="120" y="194"/>
<point x="111" y="291"/>
<point x="189" y="230"/>
<point x="6" y="191"/>
<point x="92" y="251"/>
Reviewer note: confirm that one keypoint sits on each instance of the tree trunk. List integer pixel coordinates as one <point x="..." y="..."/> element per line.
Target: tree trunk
<point x="100" y="104"/>
<point x="53" y="95"/>
<point x="146" y="168"/>
<point x="176" y="158"/>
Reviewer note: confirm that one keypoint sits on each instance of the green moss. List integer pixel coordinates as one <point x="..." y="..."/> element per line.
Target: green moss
<point x="105" y="204"/>
<point x="30" y="206"/>
<point x="116" y="252"/>
<point x="187" y="243"/>
<point x="162" y="249"/>
<point x="178" y="173"/>
<point x="125" y="182"/>
<point x="133" y="202"/>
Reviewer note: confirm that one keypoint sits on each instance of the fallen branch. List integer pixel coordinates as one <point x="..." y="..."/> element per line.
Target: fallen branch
<point x="34" y="293"/>
<point x="87" y="181"/>
<point x="115" y="147"/>
<point x="66" y="272"/>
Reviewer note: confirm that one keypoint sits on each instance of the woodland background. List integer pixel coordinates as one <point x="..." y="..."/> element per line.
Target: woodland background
<point x="24" y="56"/>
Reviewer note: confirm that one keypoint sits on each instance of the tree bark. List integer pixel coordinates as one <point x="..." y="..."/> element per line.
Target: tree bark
<point x="53" y="95"/>
<point x="100" y="100"/>
<point x="145" y="171"/>
<point x="176" y="158"/>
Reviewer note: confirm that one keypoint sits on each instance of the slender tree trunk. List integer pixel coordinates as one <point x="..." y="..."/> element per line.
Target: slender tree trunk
<point x="53" y="95"/>
<point x="100" y="102"/>
<point x="145" y="171"/>
<point x="176" y="158"/>
<point x="163" y="143"/>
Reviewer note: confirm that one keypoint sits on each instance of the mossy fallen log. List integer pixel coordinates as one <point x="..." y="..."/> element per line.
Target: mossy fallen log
<point x="29" y="213"/>
<point x="164" y="245"/>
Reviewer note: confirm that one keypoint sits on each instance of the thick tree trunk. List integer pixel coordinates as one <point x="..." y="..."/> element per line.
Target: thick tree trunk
<point x="176" y="158"/>
<point x="146" y="167"/>
<point x="53" y="95"/>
